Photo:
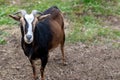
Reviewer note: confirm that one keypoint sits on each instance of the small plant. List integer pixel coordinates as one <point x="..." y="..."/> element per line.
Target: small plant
<point x="2" y="36"/>
<point x="2" y="41"/>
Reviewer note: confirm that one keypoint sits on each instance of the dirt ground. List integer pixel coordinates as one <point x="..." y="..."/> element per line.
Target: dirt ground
<point x="100" y="62"/>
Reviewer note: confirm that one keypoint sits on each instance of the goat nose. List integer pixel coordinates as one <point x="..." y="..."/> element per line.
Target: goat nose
<point x="28" y="37"/>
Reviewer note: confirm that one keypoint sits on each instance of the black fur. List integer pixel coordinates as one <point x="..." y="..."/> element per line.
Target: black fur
<point x="40" y="45"/>
<point x="42" y="37"/>
<point x="49" y="11"/>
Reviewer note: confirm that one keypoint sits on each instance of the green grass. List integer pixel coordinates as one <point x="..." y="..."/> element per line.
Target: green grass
<point x="2" y="35"/>
<point x="86" y="27"/>
<point x="90" y="29"/>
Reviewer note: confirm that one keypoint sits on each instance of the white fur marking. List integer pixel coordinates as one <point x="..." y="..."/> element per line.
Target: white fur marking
<point x="29" y="18"/>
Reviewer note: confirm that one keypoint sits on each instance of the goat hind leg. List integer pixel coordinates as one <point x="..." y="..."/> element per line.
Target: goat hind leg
<point x="62" y="51"/>
<point x="62" y="48"/>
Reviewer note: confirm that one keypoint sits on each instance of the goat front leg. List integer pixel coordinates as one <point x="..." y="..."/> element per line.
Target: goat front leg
<point x="44" y="61"/>
<point x="34" y="69"/>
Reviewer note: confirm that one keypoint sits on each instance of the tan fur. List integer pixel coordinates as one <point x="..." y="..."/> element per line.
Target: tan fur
<point x="57" y="27"/>
<point x="57" y="34"/>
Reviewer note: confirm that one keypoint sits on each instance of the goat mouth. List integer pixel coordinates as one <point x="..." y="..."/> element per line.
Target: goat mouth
<point x="28" y="41"/>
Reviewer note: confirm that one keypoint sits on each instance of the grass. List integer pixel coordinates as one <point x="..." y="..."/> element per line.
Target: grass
<point x="86" y="27"/>
<point x="2" y="35"/>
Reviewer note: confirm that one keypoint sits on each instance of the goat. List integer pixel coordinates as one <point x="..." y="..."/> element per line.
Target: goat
<point x="41" y="32"/>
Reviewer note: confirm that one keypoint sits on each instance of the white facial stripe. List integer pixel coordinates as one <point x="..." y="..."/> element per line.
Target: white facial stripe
<point x="29" y="19"/>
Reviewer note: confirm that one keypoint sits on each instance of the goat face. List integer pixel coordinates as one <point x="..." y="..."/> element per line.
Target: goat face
<point x="28" y="23"/>
<point x="28" y="27"/>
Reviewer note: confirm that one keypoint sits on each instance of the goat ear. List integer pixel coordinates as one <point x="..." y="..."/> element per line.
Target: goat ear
<point x="42" y="17"/>
<point x="15" y="17"/>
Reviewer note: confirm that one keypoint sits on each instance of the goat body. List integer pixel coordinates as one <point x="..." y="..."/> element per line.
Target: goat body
<point x="47" y="35"/>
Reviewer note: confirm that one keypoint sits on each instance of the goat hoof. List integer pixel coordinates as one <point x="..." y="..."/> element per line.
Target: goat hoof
<point x="65" y="64"/>
<point x="37" y="78"/>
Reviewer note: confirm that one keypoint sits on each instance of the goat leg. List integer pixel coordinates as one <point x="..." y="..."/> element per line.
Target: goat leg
<point x="34" y="69"/>
<point x="63" y="56"/>
<point x="44" y="61"/>
<point x="62" y="49"/>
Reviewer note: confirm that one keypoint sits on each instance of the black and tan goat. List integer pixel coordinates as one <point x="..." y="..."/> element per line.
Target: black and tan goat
<point x="41" y="32"/>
